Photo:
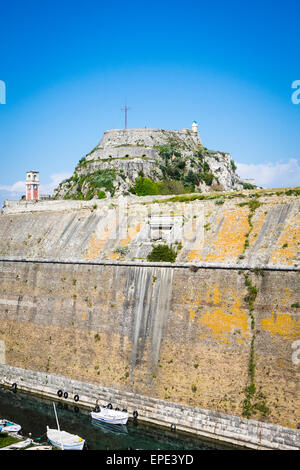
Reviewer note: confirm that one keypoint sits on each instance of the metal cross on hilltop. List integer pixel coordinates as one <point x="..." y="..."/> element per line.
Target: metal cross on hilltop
<point x="125" y="109"/>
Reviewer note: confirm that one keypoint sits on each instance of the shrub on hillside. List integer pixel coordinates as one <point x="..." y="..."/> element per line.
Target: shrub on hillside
<point x="171" y="187"/>
<point x="233" y="165"/>
<point x="144" y="187"/>
<point x="162" y="253"/>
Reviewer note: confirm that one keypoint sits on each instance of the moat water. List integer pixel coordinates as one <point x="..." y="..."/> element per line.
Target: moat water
<point x="35" y="413"/>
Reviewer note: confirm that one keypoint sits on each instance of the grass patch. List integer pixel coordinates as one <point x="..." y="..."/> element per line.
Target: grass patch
<point x="7" y="440"/>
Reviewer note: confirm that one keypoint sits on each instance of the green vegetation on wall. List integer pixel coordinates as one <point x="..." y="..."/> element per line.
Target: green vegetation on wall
<point x="253" y="204"/>
<point x="164" y="253"/>
<point x="248" y="186"/>
<point x="147" y="187"/>
<point x="254" y="400"/>
<point x="175" y="167"/>
<point x="91" y="185"/>
<point x="233" y="165"/>
<point x="180" y="174"/>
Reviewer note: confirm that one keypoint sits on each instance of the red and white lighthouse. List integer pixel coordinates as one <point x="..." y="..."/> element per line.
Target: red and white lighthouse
<point x="32" y="186"/>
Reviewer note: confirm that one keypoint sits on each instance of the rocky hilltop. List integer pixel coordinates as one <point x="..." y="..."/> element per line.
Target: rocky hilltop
<point x="150" y="161"/>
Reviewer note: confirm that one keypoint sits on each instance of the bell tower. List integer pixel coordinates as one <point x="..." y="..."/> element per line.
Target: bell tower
<point x="195" y="127"/>
<point x="32" y="186"/>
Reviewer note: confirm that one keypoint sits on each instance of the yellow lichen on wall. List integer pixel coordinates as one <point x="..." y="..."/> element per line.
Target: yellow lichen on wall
<point x="257" y="222"/>
<point x="228" y="244"/>
<point x="216" y="295"/>
<point x="282" y="324"/>
<point x="194" y="255"/>
<point x="288" y="244"/>
<point x="197" y="247"/>
<point x="131" y="234"/>
<point x="224" y="324"/>
<point x="97" y="243"/>
<point x="223" y="320"/>
<point x="192" y="314"/>
<point x="286" y="296"/>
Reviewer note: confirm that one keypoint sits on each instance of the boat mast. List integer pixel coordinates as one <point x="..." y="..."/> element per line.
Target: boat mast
<point x="62" y="446"/>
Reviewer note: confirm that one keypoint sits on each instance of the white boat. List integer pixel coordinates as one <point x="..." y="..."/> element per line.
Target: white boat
<point x="9" y="426"/>
<point x="62" y="439"/>
<point x="107" y="415"/>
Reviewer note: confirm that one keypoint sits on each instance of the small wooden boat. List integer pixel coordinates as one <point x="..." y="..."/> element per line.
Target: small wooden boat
<point x="64" y="440"/>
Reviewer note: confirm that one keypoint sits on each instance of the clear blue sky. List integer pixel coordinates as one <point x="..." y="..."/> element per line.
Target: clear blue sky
<point x="69" y="66"/>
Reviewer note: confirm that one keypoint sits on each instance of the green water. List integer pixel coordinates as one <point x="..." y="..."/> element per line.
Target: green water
<point x="34" y="414"/>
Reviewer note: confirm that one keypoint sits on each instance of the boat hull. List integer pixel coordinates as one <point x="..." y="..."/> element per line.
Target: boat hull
<point x="78" y="446"/>
<point x="64" y="441"/>
<point x="110" y="419"/>
<point x="107" y="428"/>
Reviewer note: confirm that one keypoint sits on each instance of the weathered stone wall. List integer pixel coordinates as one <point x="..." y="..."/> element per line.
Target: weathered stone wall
<point x="170" y="333"/>
<point x="120" y="143"/>
<point x="209" y="232"/>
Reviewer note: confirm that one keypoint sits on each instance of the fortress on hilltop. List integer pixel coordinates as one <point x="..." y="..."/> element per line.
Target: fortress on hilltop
<point x="174" y="160"/>
<point x="124" y="143"/>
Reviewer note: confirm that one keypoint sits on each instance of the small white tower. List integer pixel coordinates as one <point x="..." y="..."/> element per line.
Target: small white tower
<point x="195" y="127"/>
<point x="32" y="186"/>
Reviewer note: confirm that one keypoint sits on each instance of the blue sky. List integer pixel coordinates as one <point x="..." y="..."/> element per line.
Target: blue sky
<point x="69" y="67"/>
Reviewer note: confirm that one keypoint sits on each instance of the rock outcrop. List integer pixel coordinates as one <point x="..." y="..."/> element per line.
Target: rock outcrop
<point x="150" y="161"/>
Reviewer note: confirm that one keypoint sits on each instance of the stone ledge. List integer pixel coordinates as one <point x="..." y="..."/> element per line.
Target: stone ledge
<point x="146" y="264"/>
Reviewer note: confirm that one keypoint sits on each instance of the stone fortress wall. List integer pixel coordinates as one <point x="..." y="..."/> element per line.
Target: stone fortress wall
<point x="209" y="232"/>
<point x="124" y="143"/>
<point x="79" y="300"/>
<point x="169" y="333"/>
